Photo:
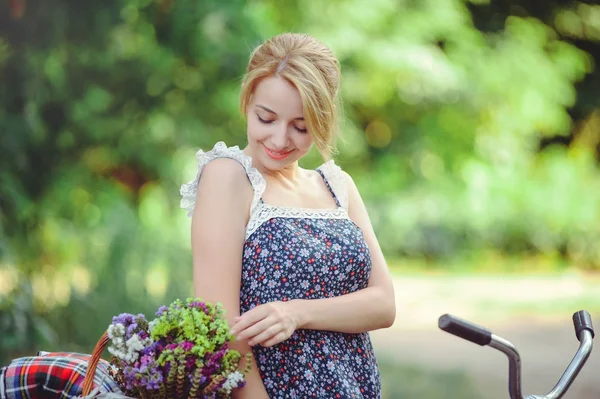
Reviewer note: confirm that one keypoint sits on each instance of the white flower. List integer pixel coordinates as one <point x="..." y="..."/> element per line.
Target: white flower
<point x="127" y="351"/>
<point x="233" y="380"/>
<point x="151" y="325"/>
<point x="116" y="330"/>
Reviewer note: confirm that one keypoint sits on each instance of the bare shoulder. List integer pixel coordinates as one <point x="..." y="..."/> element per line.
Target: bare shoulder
<point x="226" y="170"/>
<point x="357" y="210"/>
<point x="348" y="178"/>
<point x="352" y="190"/>
<point x="224" y="184"/>
<point x="225" y="174"/>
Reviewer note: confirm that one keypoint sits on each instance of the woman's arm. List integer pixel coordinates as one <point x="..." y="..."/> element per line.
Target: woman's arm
<point x="218" y="233"/>
<point x="369" y="309"/>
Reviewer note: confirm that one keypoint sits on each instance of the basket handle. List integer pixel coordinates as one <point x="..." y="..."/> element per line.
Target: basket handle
<point x="88" y="381"/>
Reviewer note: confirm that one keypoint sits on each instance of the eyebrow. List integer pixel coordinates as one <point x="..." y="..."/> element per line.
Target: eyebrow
<point x="301" y="118"/>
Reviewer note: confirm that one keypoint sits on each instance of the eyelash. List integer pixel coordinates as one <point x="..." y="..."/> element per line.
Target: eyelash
<point x="267" y="122"/>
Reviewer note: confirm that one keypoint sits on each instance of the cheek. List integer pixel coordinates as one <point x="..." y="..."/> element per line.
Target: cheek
<point x="255" y="129"/>
<point x="304" y="142"/>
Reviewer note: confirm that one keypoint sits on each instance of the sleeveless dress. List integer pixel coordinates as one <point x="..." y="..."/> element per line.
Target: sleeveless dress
<point x="298" y="253"/>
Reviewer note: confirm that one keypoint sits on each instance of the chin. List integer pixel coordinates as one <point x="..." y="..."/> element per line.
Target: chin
<point x="273" y="164"/>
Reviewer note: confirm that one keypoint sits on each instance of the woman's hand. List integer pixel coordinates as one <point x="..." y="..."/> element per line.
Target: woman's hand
<point x="267" y="324"/>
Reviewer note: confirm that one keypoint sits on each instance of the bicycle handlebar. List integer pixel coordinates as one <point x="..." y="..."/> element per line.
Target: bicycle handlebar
<point x="584" y="331"/>
<point x="465" y="329"/>
<point x="582" y="321"/>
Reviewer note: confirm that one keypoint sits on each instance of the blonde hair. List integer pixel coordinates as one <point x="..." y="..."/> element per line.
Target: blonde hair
<point x="312" y="68"/>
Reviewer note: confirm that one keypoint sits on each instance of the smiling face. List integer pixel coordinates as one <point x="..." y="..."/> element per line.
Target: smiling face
<point x="277" y="132"/>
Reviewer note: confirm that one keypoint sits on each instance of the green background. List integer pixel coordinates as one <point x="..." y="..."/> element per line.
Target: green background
<point x="472" y="129"/>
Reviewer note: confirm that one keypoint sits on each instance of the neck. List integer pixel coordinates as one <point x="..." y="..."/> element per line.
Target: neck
<point x="290" y="174"/>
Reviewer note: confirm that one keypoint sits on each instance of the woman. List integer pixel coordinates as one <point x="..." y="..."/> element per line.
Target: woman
<point x="289" y="252"/>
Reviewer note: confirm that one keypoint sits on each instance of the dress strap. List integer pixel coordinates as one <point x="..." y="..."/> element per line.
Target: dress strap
<point x="337" y="201"/>
<point x="336" y="182"/>
<point x="189" y="190"/>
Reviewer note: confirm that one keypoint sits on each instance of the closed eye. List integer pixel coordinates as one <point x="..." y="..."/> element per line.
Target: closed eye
<point x="263" y="120"/>
<point x="266" y="122"/>
<point x="300" y="130"/>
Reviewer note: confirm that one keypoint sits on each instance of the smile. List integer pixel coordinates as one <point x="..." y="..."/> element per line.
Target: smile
<point x="277" y="155"/>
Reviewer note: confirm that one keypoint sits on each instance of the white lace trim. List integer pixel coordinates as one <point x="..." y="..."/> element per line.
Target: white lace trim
<point x="337" y="181"/>
<point x="265" y="212"/>
<point x="259" y="211"/>
<point x="220" y="150"/>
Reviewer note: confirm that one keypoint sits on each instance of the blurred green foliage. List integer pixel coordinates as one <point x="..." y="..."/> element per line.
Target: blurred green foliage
<point x="401" y="381"/>
<point x="471" y="128"/>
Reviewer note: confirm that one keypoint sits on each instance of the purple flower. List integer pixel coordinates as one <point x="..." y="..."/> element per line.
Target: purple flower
<point x="214" y="362"/>
<point x="161" y="311"/>
<point x="190" y="362"/>
<point x="153" y="349"/>
<point x="186" y="345"/>
<point x="198" y="304"/>
<point x="131" y="324"/>
<point x="145" y="373"/>
<point x="131" y="329"/>
<point x="171" y="346"/>
<point x="123" y="318"/>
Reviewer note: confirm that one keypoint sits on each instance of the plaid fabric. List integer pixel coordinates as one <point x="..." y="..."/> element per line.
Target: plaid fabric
<point x="52" y="375"/>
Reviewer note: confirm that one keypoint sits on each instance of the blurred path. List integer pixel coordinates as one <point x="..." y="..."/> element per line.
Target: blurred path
<point x="518" y="309"/>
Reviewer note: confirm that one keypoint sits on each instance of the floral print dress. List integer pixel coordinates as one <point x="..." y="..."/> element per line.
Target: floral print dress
<point x="297" y="253"/>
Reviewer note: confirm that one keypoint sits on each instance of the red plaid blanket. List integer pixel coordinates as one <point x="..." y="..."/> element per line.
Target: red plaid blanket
<point x="52" y="375"/>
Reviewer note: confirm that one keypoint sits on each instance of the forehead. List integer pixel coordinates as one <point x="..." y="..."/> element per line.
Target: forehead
<point x="279" y="95"/>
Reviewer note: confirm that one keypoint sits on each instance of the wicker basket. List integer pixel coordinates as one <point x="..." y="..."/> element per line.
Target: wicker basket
<point x="88" y="381"/>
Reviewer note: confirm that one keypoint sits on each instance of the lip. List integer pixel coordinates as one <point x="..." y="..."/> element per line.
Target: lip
<point x="275" y="154"/>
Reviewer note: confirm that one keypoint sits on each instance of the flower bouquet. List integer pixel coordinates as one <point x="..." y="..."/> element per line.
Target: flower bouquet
<point x="182" y="353"/>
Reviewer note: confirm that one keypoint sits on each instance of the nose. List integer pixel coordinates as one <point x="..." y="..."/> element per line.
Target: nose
<point x="280" y="138"/>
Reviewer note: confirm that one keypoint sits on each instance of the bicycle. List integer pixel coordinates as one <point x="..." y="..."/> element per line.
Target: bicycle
<point x="584" y="331"/>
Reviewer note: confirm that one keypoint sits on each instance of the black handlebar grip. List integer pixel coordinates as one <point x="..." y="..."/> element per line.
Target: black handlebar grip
<point x="465" y="329"/>
<point x="582" y="321"/>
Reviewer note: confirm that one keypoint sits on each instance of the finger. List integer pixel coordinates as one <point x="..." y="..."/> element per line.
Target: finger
<point x="256" y="329"/>
<point x="278" y="338"/>
<point x="240" y="329"/>
<point x="266" y="334"/>
<point x="247" y="319"/>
